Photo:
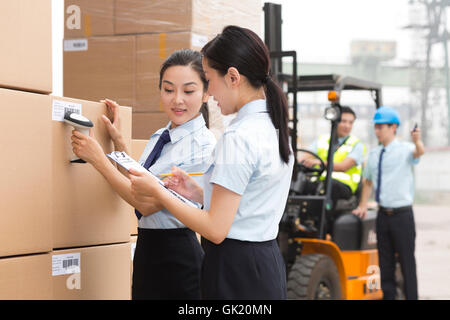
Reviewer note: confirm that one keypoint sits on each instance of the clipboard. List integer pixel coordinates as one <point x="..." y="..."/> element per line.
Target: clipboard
<point x="125" y="161"/>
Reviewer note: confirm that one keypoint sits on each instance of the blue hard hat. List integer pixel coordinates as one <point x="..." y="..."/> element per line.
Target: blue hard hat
<point x="386" y="115"/>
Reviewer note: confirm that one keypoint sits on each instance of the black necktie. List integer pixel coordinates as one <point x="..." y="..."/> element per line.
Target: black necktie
<point x="377" y="194"/>
<point x="154" y="155"/>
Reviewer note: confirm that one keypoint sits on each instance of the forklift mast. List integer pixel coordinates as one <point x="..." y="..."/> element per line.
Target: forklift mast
<point x="273" y="40"/>
<point x="292" y="83"/>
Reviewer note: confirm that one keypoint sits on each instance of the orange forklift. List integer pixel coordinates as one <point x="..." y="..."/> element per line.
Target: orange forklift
<point x="329" y="252"/>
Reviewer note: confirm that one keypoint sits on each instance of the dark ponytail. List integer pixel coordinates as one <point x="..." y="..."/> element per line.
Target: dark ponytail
<point x="243" y="49"/>
<point x="280" y="117"/>
<point x="188" y="57"/>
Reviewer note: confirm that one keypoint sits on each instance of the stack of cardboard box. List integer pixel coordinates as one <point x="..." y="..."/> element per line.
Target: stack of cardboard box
<point x="114" y="48"/>
<point x="64" y="232"/>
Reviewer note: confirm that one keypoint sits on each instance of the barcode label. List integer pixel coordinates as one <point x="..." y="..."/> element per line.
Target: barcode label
<point x="76" y="45"/>
<point x="70" y="262"/>
<point x="71" y="110"/>
<point x="66" y="263"/>
<point x="59" y="108"/>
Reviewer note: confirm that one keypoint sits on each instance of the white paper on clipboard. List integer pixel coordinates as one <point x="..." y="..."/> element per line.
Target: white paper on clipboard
<point x="128" y="163"/>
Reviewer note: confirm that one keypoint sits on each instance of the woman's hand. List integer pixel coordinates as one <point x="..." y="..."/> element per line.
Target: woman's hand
<point x="113" y="127"/>
<point x="185" y="185"/>
<point x="143" y="185"/>
<point x="87" y="147"/>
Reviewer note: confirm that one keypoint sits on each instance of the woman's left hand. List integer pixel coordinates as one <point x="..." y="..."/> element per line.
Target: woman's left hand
<point x="143" y="185"/>
<point x="87" y="147"/>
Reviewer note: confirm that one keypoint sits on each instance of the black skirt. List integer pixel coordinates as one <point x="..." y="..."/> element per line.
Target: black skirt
<point x="167" y="265"/>
<point x="247" y="270"/>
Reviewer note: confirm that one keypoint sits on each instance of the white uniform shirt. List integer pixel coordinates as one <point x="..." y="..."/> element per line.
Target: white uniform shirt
<point x="397" y="173"/>
<point x="190" y="148"/>
<point x="247" y="161"/>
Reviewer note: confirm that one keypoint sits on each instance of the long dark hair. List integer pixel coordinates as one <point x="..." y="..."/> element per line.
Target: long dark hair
<point x="243" y="49"/>
<point x="188" y="57"/>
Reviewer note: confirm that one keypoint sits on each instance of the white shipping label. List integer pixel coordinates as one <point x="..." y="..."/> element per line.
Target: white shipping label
<point x="76" y="45"/>
<point x="59" y="108"/>
<point x="198" y="40"/>
<point x="66" y="263"/>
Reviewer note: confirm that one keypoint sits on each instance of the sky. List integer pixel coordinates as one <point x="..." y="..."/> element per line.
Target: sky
<point x="321" y="30"/>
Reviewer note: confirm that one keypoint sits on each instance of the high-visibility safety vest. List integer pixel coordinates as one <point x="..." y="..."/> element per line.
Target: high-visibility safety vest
<point x="352" y="176"/>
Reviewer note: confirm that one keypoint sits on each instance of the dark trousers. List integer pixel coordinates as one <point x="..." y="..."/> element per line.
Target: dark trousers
<point x="246" y="270"/>
<point x="167" y="265"/>
<point x="339" y="190"/>
<point x="396" y="233"/>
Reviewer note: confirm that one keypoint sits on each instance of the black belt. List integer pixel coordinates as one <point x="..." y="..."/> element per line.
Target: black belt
<point x="391" y="211"/>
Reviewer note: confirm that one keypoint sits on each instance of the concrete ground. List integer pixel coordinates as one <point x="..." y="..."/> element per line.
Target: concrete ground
<point x="433" y="251"/>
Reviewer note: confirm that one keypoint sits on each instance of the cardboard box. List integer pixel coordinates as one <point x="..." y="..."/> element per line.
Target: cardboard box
<point x="26" y="166"/>
<point x="152" y="50"/>
<point x="122" y="68"/>
<point x="140" y="16"/>
<point x="26" y="51"/>
<point x="146" y="124"/>
<point x="137" y="149"/>
<point x="246" y="14"/>
<point x="100" y="67"/>
<point x="86" y="209"/>
<point x="48" y="202"/>
<point x="26" y="277"/>
<point x="202" y="16"/>
<point x="86" y="18"/>
<point x="92" y="273"/>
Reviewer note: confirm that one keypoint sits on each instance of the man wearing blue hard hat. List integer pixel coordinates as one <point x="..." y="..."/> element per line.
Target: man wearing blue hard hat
<point x="389" y="171"/>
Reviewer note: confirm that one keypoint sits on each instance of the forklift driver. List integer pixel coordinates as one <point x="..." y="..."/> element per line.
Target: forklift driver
<point x="348" y="159"/>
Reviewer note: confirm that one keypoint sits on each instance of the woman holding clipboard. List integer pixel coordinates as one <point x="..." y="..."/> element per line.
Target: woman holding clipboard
<point x="247" y="183"/>
<point x="168" y="257"/>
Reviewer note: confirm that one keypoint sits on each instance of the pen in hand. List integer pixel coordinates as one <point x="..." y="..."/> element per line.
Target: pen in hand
<point x="171" y="174"/>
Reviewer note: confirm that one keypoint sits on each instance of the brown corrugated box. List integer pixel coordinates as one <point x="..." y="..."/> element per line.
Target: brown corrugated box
<point x="48" y="202"/>
<point x="26" y="45"/>
<point x="26" y="166"/>
<point x="152" y="50"/>
<point x="26" y="277"/>
<point x="140" y="16"/>
<point x="202" y="16"/>
<point x="115" y="17"/>
<point x="86" y="209"/>
<point x="101" y="273"/>
<point x="100" y="67"/>
<point x="145" y="124"/>
<point x="122" y="68"/>
<point x="86" y="18"/>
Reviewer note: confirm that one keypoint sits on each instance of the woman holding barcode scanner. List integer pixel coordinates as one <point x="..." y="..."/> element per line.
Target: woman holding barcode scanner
<point x="168" y="257"/>
<point x="247" y="183"/>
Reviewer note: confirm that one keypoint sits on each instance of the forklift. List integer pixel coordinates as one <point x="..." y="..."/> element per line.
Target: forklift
<point x="329" y="253"/>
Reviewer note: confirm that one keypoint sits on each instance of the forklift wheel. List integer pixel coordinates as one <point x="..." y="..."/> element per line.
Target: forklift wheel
<point x="313" y="277"/>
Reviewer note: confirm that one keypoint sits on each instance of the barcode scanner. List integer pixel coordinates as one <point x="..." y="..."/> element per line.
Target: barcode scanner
<point x="80" y="124"/>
